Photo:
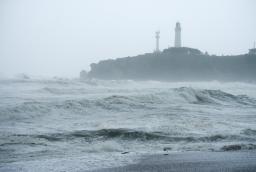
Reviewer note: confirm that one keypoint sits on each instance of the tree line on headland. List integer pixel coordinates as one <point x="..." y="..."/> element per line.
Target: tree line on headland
<point x="177" y="64"/>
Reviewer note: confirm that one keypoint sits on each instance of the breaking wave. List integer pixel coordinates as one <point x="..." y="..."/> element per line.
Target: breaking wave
<point x="237" y="147"/>
<point x="120" y="134"/>
<point x="135" y="101"/>
<point x="249" y="132"/>
<point x="213" y="97"/>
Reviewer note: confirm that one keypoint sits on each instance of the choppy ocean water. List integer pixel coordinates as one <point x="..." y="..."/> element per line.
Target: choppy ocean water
<point x="72" y="125"/>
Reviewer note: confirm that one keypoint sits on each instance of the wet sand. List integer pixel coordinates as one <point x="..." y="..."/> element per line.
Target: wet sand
<point x="193" y="162"/>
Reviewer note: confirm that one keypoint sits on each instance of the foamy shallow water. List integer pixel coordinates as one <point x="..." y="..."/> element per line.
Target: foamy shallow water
<point x="72" y="125"/>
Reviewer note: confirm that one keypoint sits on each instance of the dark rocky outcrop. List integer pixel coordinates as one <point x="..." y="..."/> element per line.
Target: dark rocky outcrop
<point x="178" y="64"/>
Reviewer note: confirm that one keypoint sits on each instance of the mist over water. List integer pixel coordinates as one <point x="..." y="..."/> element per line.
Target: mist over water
<point x="143" y="104"/>
<point x="62" y="37"/>
<point x="67" y="124"/>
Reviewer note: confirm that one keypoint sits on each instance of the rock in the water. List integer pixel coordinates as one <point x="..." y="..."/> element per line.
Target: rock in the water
<point x="231" y="147"/>
<point x="167" y="148"/>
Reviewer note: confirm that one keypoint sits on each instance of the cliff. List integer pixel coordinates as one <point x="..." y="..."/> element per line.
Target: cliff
<point x="177" y="64"/>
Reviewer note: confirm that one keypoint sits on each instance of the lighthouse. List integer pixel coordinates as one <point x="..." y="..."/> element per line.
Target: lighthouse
<point x="177" y="42"/>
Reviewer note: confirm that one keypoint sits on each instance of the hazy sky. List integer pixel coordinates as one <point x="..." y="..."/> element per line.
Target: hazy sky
<point x="62" y="37"/>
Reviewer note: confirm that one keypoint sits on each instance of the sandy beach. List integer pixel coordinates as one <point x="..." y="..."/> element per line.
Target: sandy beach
<point x="193" y="162"/>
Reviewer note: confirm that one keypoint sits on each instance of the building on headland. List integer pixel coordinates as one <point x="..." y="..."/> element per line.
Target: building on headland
<point x="83" y="74"/>
<point x="177" y="42"/>
<point x="253" y="50"/>
<point x="177" y="63"/>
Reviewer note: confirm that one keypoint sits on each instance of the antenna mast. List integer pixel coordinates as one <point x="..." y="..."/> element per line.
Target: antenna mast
<point x="157" y="41"/>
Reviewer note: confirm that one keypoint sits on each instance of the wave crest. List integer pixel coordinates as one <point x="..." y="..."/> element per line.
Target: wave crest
<point x="129" y="102"/>
<point x="237" y="147"/>
<point x="213" y="97"/>
<point x="129" y="134"/>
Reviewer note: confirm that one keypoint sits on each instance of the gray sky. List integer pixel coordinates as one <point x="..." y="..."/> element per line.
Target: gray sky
<point x="62" y="37"/>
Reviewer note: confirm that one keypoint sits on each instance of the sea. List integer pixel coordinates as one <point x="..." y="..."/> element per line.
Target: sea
<point x="58" y="124"/>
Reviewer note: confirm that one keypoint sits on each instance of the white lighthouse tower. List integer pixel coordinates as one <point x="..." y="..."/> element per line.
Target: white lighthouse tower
<point x="157" y="41"/>
<point x="177" y="42"/>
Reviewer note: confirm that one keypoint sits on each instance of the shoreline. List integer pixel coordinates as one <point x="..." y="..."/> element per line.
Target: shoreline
<point x="239" y="161"/>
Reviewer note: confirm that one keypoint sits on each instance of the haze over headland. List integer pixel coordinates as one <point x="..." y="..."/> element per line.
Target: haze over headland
<point x="62" y="37"/>
<point x="148" y="85"/>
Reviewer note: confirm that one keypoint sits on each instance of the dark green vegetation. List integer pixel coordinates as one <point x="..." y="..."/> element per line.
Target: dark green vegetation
<point x="178" y="64"/>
